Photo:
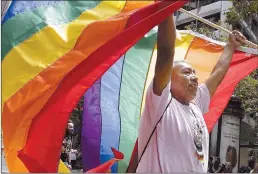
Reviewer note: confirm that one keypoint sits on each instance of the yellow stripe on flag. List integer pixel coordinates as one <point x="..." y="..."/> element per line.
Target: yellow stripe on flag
<point x="43" y="48"/>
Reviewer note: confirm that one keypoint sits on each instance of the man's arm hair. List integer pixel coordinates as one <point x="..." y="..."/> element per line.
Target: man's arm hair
<point x="165" y="56"/>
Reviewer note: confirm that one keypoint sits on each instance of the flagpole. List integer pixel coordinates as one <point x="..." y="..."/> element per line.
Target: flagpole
<point x="4" y="7"/>
<point x="251" y="44"/>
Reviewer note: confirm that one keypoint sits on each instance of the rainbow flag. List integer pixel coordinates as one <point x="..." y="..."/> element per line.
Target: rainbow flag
<point x="104" y="48"/>
<point x="52" y="52"/>
<point x="113" y="105"/>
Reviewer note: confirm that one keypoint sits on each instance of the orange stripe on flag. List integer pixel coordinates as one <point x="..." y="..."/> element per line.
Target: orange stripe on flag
<point x="203" y="55"/>
<point x="241" y="66"/>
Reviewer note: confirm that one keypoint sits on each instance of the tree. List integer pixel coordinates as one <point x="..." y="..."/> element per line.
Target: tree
<point x="244" y="13"/>
<point x="247" y="89"/>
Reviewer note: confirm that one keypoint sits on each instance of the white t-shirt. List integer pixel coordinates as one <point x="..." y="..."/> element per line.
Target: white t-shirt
<point x="172" y="147"/>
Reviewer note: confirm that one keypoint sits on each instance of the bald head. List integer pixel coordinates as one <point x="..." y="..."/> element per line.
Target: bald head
<point x="177" y="63"/>
<point x="180" y="65"/>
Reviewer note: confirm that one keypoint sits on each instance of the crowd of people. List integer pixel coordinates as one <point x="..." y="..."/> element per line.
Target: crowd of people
<point x="247" y="169"/>
<point x="215" y="165"/>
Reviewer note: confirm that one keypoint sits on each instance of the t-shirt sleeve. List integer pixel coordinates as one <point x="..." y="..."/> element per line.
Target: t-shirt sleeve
<point x="157" y="104"/>
<point x="202" y="98"/>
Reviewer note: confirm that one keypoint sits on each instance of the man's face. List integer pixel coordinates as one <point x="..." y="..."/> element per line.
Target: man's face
<point x="70" y="127"/>
<point x="184" y="82"/>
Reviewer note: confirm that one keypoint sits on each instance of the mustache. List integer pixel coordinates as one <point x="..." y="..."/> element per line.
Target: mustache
<point x="193" y="83"/>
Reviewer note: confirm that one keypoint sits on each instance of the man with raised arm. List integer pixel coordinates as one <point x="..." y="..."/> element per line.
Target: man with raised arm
<point x="180" y="141"/>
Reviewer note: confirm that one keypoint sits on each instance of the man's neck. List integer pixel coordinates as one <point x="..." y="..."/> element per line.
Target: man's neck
<point x="181" y="100"/>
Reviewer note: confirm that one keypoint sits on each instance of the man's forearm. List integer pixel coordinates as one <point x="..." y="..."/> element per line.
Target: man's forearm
<point x="219" y="71"/>
<point x="165" y="56"/>
<point x="166" y="37"/>
<point x="166" y="47"/>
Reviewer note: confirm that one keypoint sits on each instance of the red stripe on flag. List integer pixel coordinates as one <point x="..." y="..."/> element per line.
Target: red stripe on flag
<point x="240" y="67"/>
<point x="50" y="123"/>
<point x="134" y="159"/>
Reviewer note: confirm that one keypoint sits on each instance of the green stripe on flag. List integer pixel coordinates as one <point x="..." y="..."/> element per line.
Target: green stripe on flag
<point x="23" y="26"/>
<point x="134" y="74"/>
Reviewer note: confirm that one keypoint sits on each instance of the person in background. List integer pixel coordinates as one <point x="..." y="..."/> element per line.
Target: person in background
<point x="244" y="169"/>
<point x="251" y="159"/>
<point x="221" y="169"/>
<point x="79" y="158"/>
<point x="228" y="167"/>
<point x="216" y="165"/>
<point x="67" y="144"/>
<point x="64" y="156"/>
<point x="247" y="169"/>
<point x="255" y="170"/>
<point x="70" y="128"/>
<point x="210" y="165"/>
<point x="68" y="140"/>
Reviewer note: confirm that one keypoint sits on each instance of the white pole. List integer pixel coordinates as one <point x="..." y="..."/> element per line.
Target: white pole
<point x="253" y="45"/>
<point x="4" y="7"/>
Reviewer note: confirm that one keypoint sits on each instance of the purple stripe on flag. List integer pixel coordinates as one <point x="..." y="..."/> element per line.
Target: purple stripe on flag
<point x="91" y="128"/>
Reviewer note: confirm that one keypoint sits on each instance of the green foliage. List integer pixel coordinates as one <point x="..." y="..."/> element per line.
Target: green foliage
<point x="247" y="91"/>
<point x="244" y="9"/>
<point x="232" y="16"/>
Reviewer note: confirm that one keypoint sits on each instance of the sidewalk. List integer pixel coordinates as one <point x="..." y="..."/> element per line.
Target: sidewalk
<point x="76" y="171"/>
